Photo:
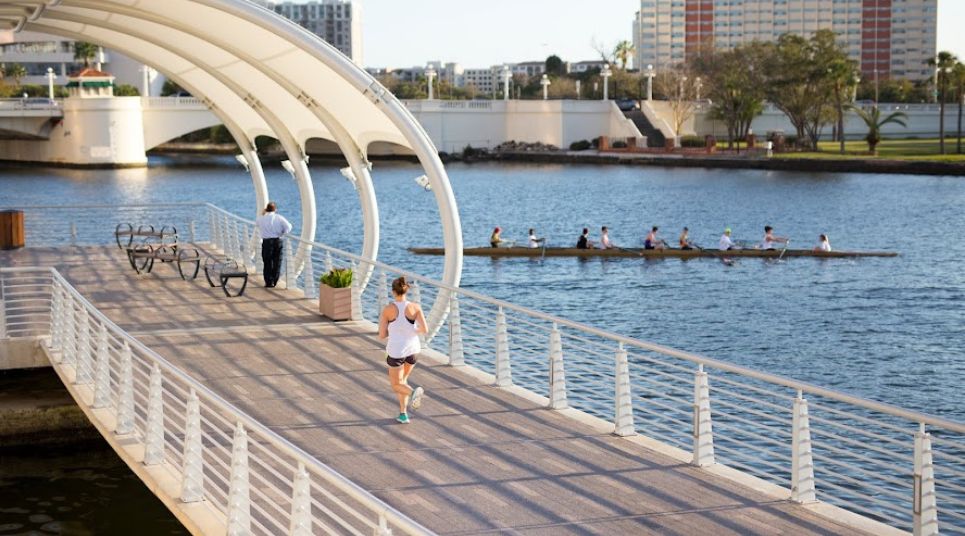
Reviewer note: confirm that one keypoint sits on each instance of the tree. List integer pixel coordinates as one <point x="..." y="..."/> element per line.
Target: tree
<point x="958" y="76"/>
<point x="841" y="74"/>
<point x="17" y="72"/>
<point x="734" y="85"/>
<point x="944" y="63"/>
<point x="872" y="118"/>
<point x="126" y="90"/>
<point x="554" y="66"/>
<point x="623" y="52"/>
<point x="677" y="84"/>
<point x="85" y="52"/>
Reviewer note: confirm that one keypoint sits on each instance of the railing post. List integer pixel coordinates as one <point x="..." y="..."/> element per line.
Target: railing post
<point x="383" y="291"/>
<point x="223" y="233"/>
<point x="192" y="472"/>
<point x="456" y="356"/>
<point x="256" y="251"/>
<point x="623" y="413"/>
<point x="357" y="293"/>
<point x="192" y="234"/>
<point x="69" y="353"/>
<point x="125" y="395"/>
<point x="328" y="261"/>
<point x="56" y="318"/>
<point x="308" y="276"/>
<point x="102" y="371"/>
<point x="925" y="504"/>
<point x="239" y="502"/>
<point x="154" y="431"/>
<point x="504" y="375"/>
<point x="213" y="232"/>
<point x="82" y="370"/>
<point x="802" y="463"/>
<point x="557" y="375"/>
<point x="287" y="244"/>
<point x="73" y="234"/>
<point x="3" y="318"/>
<point x="703" y="429"/>
<point x="415" y="293"/>
<point x="301" y="514"/>
<point x="383" y="528"/>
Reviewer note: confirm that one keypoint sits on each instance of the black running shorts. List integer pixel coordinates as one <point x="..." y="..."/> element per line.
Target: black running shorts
<point x="393" y="362"/>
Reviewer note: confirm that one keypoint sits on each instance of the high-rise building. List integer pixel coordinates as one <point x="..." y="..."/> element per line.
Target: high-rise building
<point x="888" y="38"/>
<point x="339" y="22"/>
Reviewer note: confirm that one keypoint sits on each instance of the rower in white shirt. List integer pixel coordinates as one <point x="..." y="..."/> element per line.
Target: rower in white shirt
<point x="605" y="239"/>
<point x="823" y="244"/>
<point x="769" y="240"/>
<point x="535" y="242"/>
<point x="725" y="242"/>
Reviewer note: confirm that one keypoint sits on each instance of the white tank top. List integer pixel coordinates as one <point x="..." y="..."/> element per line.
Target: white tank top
<point x="403" y="337"/>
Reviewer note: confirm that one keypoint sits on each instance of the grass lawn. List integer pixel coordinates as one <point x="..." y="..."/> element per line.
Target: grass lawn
<point x="924" y="149"/>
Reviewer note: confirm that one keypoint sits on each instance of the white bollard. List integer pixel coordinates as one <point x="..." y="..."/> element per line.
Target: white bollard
<point x="357" y="293"/>
<point x="703" y="428"/>
<point x="504" y="375"/>
<point x="623" y="412"/>
<point x="125" y="396"/>
<point x="102" y="371"/>
<point x="802" y="462"/>
<point x="239" y="501"/>
<point x="192" y="472"/>
<point x="925" y="507"/>
<point x="308" y="277"/>
<point x="301" y="514"/>
<point x="82" y="372"/>
<point x="557" y="375"/>
<point x="154" y="429"/>
<point x="457" y="357"/>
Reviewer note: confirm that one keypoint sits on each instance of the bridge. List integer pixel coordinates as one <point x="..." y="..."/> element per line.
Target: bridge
<point x="254" y="415"/>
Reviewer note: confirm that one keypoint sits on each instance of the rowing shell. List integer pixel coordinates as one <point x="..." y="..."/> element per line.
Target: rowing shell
<point x="652" y="253"/>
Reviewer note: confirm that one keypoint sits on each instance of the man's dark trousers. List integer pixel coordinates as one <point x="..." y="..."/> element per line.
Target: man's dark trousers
<point x="271" y="251"/>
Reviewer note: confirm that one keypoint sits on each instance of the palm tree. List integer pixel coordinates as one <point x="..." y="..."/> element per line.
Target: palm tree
<point x="841" y="75"/>
<point x="17" y="72"/>
<point x="85" y="52"/>
<point x="872" y="118"/>
<point x="622" y="52"/>
<point x="958" y="75"/>
<point x="944" y="63"/>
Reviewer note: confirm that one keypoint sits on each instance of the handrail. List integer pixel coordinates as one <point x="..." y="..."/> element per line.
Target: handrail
<point x="342" y="484"/>
<point x="627" y="341"/>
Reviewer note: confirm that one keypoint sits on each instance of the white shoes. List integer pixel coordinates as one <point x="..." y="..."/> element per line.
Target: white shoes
<point x="416" y="400"/>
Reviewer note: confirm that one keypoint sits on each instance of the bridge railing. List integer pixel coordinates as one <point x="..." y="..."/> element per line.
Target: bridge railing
<point x="904" y="468"/>
<point x="258" y="481"/>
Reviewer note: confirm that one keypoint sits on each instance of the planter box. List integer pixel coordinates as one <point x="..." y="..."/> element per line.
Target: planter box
<point x="335" y="303"/>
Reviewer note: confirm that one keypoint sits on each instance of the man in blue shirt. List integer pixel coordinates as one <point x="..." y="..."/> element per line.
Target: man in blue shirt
<point x="272" y="227"/>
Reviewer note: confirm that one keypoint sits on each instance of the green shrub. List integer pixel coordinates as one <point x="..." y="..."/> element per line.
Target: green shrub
<point x="581" y="145"/>
<point x="619" y="145"/>
<point x="692" y="141"/>
<point x="337" y="278"/>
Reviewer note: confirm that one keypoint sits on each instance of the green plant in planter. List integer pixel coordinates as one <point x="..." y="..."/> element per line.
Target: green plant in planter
<point x="337" y="278"/>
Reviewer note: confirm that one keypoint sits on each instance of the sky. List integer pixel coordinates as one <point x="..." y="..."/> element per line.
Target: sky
<point x="407" y="33"/>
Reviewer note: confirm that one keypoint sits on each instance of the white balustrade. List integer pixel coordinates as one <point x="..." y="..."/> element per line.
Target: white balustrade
<point x="102" y="370"/>
<point x="383" y="297"/>
<point x="504" y="375"/>
<point x="287" y="262"/>
<point x="557" y="376"/>
<point x="623" y="425"/>
<point x="703" y="429"/>
<point x="82" y="372"/>
<point x="3" y="318"/>
<point x="239" y="500"/>
<point x="802" y="461"/>
<point x="192" y="464"/>
<point x="308" y="279"/>
<point x="301" y="513"/>
<point x="154" y="429"/>
<point x="356" y="295"/>
<point x="925" y="503"/>
<point x="125" y="396"/>
<point x="456" y="355"/>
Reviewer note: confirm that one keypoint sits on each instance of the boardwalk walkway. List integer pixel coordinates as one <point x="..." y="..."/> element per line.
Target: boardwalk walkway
<point x="476" y="458"/>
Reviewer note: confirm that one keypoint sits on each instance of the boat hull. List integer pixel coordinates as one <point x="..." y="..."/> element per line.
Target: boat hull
<point x="652" y="253"/>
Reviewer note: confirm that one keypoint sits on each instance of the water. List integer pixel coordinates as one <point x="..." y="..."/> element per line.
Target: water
<point x="889" y="329"/>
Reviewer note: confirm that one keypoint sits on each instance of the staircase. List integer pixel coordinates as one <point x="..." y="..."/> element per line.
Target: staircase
<point x="654" y="137"/>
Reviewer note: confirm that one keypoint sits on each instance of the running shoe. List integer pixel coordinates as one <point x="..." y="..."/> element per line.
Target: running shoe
<point x="403" y="418"/>
<point x="416" y="401"/>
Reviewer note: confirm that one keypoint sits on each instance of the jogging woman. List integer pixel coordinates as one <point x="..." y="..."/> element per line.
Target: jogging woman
<point x="401" y="322"/>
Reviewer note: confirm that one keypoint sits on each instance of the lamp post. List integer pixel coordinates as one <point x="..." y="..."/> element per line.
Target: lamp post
<point x="145" y="81"/>
<point x="507" y="75"/>
<point x="606" y="73"/>
<point x="649" y="82"/>
<point x="854" y="90"/>
<point x="680" y="87"/>
<point x="50" y="83"/>
<point x="876" y="88"/>
<point x="430" y="74"/>
<point x="545" y="82"/>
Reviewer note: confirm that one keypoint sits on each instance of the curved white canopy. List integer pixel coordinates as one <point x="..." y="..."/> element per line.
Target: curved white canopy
<point x="263" y="75"/>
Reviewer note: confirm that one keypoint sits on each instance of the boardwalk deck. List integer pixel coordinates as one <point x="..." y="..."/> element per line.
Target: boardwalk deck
<point x="476" y="458"/>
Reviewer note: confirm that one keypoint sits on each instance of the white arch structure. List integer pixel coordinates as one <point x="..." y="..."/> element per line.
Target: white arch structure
<point x="261" y="74"/>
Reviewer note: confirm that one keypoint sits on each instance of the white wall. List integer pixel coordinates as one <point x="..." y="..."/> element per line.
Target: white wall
<point x="93" y="132"/>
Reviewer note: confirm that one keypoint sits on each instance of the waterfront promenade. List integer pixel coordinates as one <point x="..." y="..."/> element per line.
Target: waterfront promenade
<point x="476" y="458"/>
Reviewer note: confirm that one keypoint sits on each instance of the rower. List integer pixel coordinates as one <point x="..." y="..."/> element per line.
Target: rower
<point x="605" y="239"/>
<point x="495" y="240"/>
<point x="823" y="244"/>
<point x="533" y="241"/>
<point x="726" y="244"/>
<point x="652" y="242"/>
<point x="770" y="240"/>
<point x="584" y="242"/>
<point x="684" y="240"/>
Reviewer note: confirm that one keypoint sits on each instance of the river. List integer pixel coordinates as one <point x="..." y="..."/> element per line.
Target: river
<point x="890" y="329"/>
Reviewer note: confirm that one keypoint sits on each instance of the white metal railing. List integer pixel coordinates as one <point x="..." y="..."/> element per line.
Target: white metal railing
<point x="32" y="103"/>
<point x="902" y="467"/>
<point x="173" y="102"/>
<point x="260" y="482"/>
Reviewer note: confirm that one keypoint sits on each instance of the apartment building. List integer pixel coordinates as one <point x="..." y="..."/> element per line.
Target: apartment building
<point x="338" y="22"/>
<point x="888" y="38"/>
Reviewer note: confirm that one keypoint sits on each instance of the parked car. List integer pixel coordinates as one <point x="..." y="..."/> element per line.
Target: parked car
<point x="627" y="105"/>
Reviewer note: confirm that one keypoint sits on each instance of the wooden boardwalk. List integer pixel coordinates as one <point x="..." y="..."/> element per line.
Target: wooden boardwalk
<point x="476" y="459"/>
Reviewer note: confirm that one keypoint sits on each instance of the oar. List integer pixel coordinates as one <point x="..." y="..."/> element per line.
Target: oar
<point x="543" y="253"/>
<point x="638" y="253"/>
<point x="783" y="251"/>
